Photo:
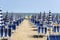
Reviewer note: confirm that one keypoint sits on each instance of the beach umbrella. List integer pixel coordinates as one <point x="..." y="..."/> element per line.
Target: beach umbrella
<point x="39" y="15"/>
<point x="13" y="27"/>
<point x="1" y="24"/>
<point x="38" y="30"/>
<point x="1" y="32"/>
<point x="9" y="32"/>
<point x="44" y="17"/>
<point x="10" y="26"/>
<point x="55" y="29"/>
<point x="58" y="28"/>
<point x="14" y="22"/>
<point x="6" y="19"/>
<point x="17" y="23"/>
<point x="44" y="30"/>
<point x="49" y="20"/>
<point x="5" y="31"/>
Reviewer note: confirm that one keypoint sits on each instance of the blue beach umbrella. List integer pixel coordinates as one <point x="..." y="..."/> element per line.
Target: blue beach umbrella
<point x="5" y="31"/>
<point x="1" y="32"/>
<point x="9" y="32"/>
<point x="45" y="30"/>
<point x="10" y="26"/>
<point x="14" y="27"/>
<point x="38" y="29"/>
<point x="54" y="28"/>
<point x="17" y="22"/>
<point x="42" y="30"/>
<point x="58" y="28"/>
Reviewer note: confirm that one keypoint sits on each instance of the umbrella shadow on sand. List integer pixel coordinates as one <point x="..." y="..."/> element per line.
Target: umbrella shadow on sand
<point x="34" y="29"/>
<point x="36" y="36"/>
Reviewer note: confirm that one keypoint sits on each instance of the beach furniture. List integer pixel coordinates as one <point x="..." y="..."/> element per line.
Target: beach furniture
<point x="54" y="37"/>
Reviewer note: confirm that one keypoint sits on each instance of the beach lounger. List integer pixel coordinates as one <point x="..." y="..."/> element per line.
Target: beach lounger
<point x="54" y="37"/>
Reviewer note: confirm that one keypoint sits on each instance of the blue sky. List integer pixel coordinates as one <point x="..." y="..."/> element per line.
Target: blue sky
<point x="30" y="6"/>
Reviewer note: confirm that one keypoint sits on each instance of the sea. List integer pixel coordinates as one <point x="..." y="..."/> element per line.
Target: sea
<point x="26" y="14"/>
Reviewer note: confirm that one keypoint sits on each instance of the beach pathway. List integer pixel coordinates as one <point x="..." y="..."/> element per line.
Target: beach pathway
<point x="25" y="32"/>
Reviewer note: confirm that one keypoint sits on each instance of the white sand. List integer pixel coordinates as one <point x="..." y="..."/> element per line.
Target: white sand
<point x="25" y="32"/>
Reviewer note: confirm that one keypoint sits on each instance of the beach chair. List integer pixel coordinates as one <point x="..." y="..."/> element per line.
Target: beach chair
<point x="51" y="37"/>
<point x="54" y="37"/>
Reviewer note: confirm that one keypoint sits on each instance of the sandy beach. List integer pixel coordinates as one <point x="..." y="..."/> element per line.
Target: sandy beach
<point x="26" y="31"/>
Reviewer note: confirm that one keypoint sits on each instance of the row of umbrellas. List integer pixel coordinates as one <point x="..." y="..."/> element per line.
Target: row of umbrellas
<point x="9" y="25"/>
<point x="44" y="21"/>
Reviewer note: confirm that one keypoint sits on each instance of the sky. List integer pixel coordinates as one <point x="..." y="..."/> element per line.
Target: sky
<point x="30" y="6"/>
